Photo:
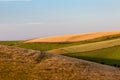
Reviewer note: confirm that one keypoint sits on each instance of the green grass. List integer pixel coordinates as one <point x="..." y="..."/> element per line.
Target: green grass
<point x="109" y="56"/>
<point x="43" y="46"/>
<point x="10" y="43"/>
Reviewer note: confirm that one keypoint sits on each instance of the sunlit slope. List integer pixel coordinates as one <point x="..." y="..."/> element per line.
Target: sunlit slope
<point x="73" y="37"/>
<point x="22" y="64"/>
<point x="87" y="47"/>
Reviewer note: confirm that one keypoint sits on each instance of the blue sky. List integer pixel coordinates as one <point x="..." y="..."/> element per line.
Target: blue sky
<point x="25" y="19"/>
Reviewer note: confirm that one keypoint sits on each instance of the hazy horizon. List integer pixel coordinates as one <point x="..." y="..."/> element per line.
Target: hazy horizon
<point x="26" y="19"/>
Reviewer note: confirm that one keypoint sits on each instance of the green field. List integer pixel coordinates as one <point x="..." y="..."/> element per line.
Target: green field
<point x="109" y="56"/>
<point x="10" y="43"/>
<point x="44" y="46"/>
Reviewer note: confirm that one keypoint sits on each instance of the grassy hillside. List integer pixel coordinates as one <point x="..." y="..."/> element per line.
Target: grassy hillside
<point x="22" y="64"/>
<point x="44" y="46"/>
<point x="10" y="43"/>
<point x="110" y="56"/>
<point x="16" y="63"/>
<point x="87" y="47"/>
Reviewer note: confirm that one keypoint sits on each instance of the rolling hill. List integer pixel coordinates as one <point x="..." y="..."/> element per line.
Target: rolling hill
<point x="73" y="37"/>
<point x="29" y="64"/>
<point x="45" y="46"/>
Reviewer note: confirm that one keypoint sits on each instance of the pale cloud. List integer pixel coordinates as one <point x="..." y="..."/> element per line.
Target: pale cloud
<point x="14" y="0"/>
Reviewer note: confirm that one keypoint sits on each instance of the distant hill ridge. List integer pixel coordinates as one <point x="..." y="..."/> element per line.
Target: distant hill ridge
<point x="73" y="37"/>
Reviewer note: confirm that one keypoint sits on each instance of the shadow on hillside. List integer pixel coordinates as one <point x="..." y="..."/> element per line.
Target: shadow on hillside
<point x="111" y="62"/>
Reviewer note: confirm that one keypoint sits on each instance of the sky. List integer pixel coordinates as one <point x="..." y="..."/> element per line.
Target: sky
<point x="27" y="19"/>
